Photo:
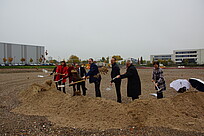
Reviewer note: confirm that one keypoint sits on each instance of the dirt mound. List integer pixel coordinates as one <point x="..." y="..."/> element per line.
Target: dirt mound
<point x="79" y="111"/>
<point x="184" y="111"/>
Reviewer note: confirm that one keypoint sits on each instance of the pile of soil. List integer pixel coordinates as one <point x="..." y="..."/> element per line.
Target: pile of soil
<point x="68" y="111"/>
<point x="183" y="112"/>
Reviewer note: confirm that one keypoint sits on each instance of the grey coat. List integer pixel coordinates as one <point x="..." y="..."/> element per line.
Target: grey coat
<point x="158" y="77"/>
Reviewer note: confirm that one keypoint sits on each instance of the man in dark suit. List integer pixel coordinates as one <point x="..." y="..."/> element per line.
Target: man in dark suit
<point x="116" y="71"/>
<point x="134" y="84"/>
<point x="82" y="72"/>
<point x="94" y="77"/>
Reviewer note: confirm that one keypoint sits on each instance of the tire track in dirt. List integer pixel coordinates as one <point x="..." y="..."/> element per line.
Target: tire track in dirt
<point x="9" y="81"/>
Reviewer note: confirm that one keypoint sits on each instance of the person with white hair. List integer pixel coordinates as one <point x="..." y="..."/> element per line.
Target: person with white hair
<point x="133" y="84"/>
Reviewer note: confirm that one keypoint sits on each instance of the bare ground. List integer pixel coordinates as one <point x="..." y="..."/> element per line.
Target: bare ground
<point x="19" y="124"/>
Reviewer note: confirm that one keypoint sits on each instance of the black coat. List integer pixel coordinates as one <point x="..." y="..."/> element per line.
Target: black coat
<point x="134" y="84"/>
<point x="81" y="71"/>
<point x="54" y="71"/>
<point x="115" y="71"/>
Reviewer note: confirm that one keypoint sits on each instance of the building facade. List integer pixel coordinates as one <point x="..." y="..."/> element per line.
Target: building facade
<point x="161" y="57"/>
<point x="189" y="56"/>
<point x="19" y="51"/>
<point x="195" y="56"/>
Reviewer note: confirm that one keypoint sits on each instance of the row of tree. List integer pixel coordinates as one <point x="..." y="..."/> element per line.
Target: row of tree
<point x="139" y="61"/>
<point x="10" y="60"/>
<point x="76" y="59"/>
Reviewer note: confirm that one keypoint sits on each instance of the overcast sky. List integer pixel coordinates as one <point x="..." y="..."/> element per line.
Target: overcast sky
<point x="96" y="28"/>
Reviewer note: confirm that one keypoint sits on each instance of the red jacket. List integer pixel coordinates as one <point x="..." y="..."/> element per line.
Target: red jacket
<point x="61" y="70"/>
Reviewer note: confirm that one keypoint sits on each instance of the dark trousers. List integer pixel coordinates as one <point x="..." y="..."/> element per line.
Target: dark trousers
<point x="74" y="88"/>
<point x="83" y="86"/>
<point x="61" y="83"/>
<point x="79" y="86"/>
<point x="135" y="97"/>
<point x="97" y="88"/>
<point x="117" y="86"/>
<point x="56" y="83"/>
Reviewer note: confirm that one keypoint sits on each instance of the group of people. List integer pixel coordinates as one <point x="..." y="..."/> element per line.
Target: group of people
<point x="71" y="72"/>
<point x="77" y="76"/>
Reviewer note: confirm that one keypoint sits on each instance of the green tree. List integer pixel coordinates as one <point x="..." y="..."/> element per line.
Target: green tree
<point x="84" y="61"/>
<point x="170" y="62"/>
<point x="74" y="59"/>
<point x="31" y="60"/>
<point x="138" y="61"/>
<point x="4" y="60"/>
<point x="23" y="60"/>
<point x="53" y="61"/>
<point x="141" y="60"/>
<point x="118" y="57"/>
<point x="107" y="60"/>
<point x="185" y="61"/>
<point x="40" y="60"/>
<point x="123" y="62"/>
<point x="103" y="59"/>
<point x="10" y="60"/>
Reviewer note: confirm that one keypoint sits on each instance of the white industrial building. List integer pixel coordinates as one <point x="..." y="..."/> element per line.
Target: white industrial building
<point x="18" y="51"/>
<point x="180" y="56"/>
<point x="161" y="57"/>
<point x="192" y="56"/>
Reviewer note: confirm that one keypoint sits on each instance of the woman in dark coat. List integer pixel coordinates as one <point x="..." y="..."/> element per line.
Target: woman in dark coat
<point x="134" y="84"/>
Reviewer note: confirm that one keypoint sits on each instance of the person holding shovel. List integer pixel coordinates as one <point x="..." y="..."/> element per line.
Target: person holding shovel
<point x="158" y="80"/>
<point x="116" y="71"/>
<point x="81" y="72"/>
<point x="94" y="76"/>
<point x="62" y="73"/>
<point x="134" y="83"/>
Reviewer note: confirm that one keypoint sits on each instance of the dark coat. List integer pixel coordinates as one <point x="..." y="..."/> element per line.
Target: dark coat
<point x="115" y="71"/>
<point x="94" y="75"/>
<point x="54" y="71"/>
<point x="134" y="84"/>
<point x="70" y="74"/>
<point x="81" y="71"/>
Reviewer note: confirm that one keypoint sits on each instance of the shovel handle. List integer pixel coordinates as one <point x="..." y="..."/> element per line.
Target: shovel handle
<point x="156" y="86"/>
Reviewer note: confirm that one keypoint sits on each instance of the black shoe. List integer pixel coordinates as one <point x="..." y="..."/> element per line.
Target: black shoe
<point x="119" y="101"/>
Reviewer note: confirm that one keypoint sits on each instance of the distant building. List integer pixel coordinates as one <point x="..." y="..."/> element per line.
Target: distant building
<point x="49" y="58"/>
<point x="190" y="56"/>
<point x="182" y="56"/>
<point x="161" y="57"/>
<point x="18" y="51"/>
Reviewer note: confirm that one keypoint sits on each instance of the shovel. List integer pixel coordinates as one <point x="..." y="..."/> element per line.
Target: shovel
<point x="45" y="71"/>
<point x="158" y="90"/>
<point x="71" y="84"/>
<point x="42" y="76"/>
<point x="110" y="87"/>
